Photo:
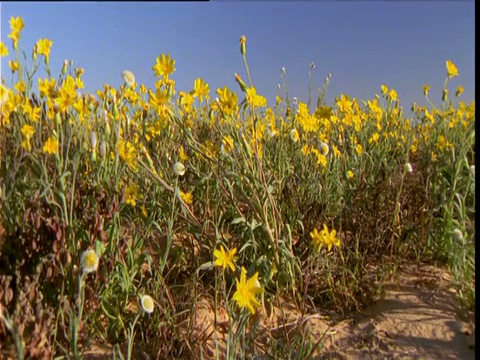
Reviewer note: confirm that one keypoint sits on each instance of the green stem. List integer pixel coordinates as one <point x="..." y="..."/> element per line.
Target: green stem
<point x="248" y="70"/>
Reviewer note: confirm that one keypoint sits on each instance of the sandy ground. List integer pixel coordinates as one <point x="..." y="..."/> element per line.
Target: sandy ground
<point x="417" y="319"/>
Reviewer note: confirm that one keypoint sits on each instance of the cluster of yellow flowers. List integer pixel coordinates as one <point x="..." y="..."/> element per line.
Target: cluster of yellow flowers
<point x="247" y="289"/>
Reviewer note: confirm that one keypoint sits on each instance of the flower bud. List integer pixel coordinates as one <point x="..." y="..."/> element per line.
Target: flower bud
<point x="64" y="68"/>
<point x="243" y="45"/>
<point x="240" y="82"/>
<point x="408" y="167"/>
<point x="457" y="235"/>
<point x="445" y="94"/>
<point x="93" y="139"/>
<point x="103" y="149"/>
<point x="58" y="120"/>
<point x="35" y="52"/>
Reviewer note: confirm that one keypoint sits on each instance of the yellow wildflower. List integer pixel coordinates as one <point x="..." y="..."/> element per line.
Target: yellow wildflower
<point x="27" y="132"/>
<point x="51" y="146"/>
<point x="359" y="149"/>
<point x="227" y="144"/>
<point x="324" y="237"/>
<point x="43" y="47"/>
<point x="131" y="194"/>
<point x="201" y="89"/>
<point x="459" y="91"/>
<point x="187" y="197"/>
<point x="255" y="100"/>
<point x="452" y="70"/>
<point x="247" y="290"/>
<point x="224" y="259"/>
<point x="374" y="138"/>
<point x="16" y="25"/>
<point x="14" y="65"/>
<point x="164" y="66"/>
<point x="228" y="101"/>
<point x="3" y="49"/>
<point x="182" y="154"/>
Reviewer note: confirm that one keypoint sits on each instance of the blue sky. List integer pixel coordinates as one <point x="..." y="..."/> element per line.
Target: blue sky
<point x="364" y="44"/>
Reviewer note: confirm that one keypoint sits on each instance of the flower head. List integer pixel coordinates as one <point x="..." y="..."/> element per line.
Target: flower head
<point x="186" y="197"/>
<point x="247" y="290"/>
<point x="50" y="146"/>
<point x="324" y="149"/>
<point x="43" y="47"/>
<point x="164" y="66"/>
<point x="324" y="237"/>
<point x="452" y="70"/>
<point x="89" y="261"/>
<point x="179" y="169"/>
<point x="294" y="135"/>
<point x="148" y="305"/>
<point x="457" y="235"/>
<point x="3" y="49"/>
<point x="408" y="167"/>
<point x="223" y="259"/>
<point x="128" y="78"/>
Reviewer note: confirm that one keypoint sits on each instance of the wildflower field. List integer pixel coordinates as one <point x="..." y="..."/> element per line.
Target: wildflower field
<point x="124" y="212"/>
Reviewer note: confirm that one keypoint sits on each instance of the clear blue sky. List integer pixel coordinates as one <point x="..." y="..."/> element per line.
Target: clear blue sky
<point x="364" y="44"/>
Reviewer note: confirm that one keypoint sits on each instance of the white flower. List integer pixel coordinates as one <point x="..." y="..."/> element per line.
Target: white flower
<point x="472" y="170"/>
<point x="89" y="261"/>
<point x="179" y="169"/>
<point x="457" y="235"/>
<point x="324" y="149"/>
<point x="408" y="167"/>
<point x="128" y="77"/>
<point x="294" y="135"/>
<point x="284" y="71"/>
<point x="295" y="100"/>
<point x="148" y="304"/>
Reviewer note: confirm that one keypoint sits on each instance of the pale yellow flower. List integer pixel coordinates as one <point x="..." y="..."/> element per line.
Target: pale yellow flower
<point x="148" y="304"/>
<point x="128" y="78"/>
<point x="89" y="261"/>
<point x="179" y="169"/>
